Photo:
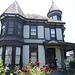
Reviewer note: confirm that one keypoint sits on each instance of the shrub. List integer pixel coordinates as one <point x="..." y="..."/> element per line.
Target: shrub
<point x="28" y="69"/>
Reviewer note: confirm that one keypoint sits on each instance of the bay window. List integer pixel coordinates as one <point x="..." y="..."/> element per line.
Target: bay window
<point x="8" y="55"/>
<point x="17" y="56"/>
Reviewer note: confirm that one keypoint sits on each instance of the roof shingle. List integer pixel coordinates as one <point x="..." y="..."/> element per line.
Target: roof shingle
<point x="14" y="8"/>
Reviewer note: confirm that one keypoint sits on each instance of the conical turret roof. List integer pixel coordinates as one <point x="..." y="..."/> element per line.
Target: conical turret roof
<point x="14" y="8"/>
<point x="53" y="8"/>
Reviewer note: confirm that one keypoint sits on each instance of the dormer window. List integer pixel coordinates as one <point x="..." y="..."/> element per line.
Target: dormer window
<point x="10" y="27"/>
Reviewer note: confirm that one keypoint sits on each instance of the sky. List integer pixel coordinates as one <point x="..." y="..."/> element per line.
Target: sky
<point x="41" y="7"/>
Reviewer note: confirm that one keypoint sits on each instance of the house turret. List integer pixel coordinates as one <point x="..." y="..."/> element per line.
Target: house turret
<point x="54" y="12"/>
<point x="11" y="20"/>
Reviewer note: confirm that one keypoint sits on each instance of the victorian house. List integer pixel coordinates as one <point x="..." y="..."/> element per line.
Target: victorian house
<point x="25" y="36"/>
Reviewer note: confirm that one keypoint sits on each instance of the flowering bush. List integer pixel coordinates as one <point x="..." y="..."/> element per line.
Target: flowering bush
<point x="36" y="70"/>
<point x="28" y="69"/>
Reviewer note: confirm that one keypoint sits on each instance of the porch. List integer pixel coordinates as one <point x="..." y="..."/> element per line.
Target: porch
<point x="58" y="55"/>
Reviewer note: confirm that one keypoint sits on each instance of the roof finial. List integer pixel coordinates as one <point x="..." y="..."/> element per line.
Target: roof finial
<point x="52" y="1"/>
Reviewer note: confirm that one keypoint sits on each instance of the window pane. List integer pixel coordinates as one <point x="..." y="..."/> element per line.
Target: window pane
<point x="10" y="29"/>
<point x="55" y="17"/>
<point x="8" y="50"/>
<point x="0" y="58"/>
<point x="34" y="59"/>
<point x="52" y="35"/>
<point x="19" y="26"/>
<point x="0" y="50"/>
<point x="10" y="32"/>
<point x="3" y="25"/>
<point x="52" y="31"/>
<point x="33" y="53"/>
<point x="33" y="27"/>
<point x="17" y="59"/>
<point x="11" y="24"/>
<point x="8" y="59"/>
<point x="18" y="51"/>
<point x="33" y="32"/>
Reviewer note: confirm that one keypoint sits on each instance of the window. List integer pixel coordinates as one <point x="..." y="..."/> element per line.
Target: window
<point x="3" y="28"/>
<point x="55" y="17"/>
<point x="11" y="27"/>
<point x="59" y="18"/>
<point x="33" y="32"/>
<point x="33" y="53"/>
<point x="0" y="53"/>
<point x="19" y="29"/>
<point x="52" y="33"/>
<point x="0" y="27"/>
<point x="17" y="57"/>
<point x="8" y="55"/>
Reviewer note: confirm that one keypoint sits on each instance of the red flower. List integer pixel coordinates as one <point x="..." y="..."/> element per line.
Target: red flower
<point x="24" y="70"/>
<point x="19" y="71"/>
<point x="35" y="64"/>
<point x="30" y="59"/>
<point x="51" y="70"/>
<point x="46" y="65"/>
<point x="41" y="70"/>
<point x="43" y="65"/>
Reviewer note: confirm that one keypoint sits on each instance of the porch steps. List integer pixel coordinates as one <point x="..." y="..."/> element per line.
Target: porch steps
<point x="58" y="73"/>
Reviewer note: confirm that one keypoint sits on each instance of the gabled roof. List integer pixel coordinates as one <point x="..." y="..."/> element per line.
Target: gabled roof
<point x="14" y="8"/>
<point x="53" y="7"/>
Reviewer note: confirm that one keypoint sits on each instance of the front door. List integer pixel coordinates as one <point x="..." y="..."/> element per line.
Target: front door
<point x="51" y="57"/>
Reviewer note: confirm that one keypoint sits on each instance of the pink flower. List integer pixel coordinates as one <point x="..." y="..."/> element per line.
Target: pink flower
<point x="30" y="59"/>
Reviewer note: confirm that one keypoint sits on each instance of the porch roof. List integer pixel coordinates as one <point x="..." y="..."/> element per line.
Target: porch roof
<point x="67" y="46"/>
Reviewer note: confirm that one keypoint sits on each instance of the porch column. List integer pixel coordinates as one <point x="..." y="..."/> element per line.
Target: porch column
<point x="62" y="57"/>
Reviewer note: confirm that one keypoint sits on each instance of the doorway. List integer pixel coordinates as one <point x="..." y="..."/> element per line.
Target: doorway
<point x="51" y="61"/>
